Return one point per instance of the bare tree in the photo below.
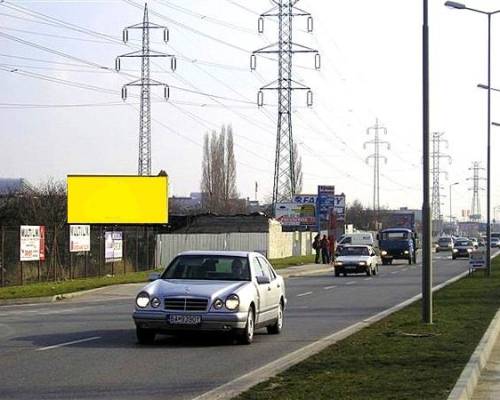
(219, 172)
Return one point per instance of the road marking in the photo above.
(368, 279)
(404, 269)
(351, 283)
(329, 287)
(395, 272)
(304, 294)
(68, 343)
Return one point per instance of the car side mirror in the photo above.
(263, 280)
(154, 276)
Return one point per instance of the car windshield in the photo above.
(355, 251)
(444, 241)
(208, 267)
(464, 243)
(394, 236)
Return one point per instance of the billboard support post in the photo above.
(2, 264)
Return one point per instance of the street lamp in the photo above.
(451, 213)
(461, 6)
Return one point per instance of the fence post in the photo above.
(85, 263)
(136, 249)
(2, 260)
(124, 250)
(147, 248)
(100, 252)
(22, 280)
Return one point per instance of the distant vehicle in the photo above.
(218, 291)
(445, 243)
(359, 238)
(356, 260)
(495, 242)
(475, 242)
(397, 244)
(462, 248)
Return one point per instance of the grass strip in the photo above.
(44, 289)
(399, 357)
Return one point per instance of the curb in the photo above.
(243, 383)
(467, 382)
(468, 379)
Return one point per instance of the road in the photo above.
(86, 348)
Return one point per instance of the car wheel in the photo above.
(410, 260)
(247, 336)
(337, 273)
(276, 328)
(369, 271)
(145, 336)
(345, 274)
(437, 250)
(375, 270)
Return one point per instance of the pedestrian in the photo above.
(325, 250)
(332, 248)
(316, 245)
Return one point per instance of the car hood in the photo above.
(193, 288)
(353, 259)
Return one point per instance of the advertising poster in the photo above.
(32, 243)
(325, 202)
(297, 213)
(79, 238)
(113, 249)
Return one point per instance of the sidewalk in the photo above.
(290, 272)
(488, 387)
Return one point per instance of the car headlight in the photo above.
(469, 250)
(155, 302)
(338, 263)
(142, 300)
(218, 304)
(455, 251)
(407, 252)
(232, 302)
(383, 253)
(362, 263)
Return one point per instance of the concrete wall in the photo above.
(275, 244)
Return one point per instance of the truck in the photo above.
(397, 244)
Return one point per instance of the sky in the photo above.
(62, 113)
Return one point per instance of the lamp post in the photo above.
(426, 208)
(451, 211)
(460, 6)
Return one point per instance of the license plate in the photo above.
(184, 319)
(350, 267)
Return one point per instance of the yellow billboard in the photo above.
(98, 199)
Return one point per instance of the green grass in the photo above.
(384, 362)
(52, 288)
(280, 263)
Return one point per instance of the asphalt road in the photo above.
(86, 348)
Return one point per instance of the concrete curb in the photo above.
(245, 382)
(467, 382)
(468, 379)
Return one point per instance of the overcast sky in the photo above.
(371, 69)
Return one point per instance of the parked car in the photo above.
(355, 260)
(462, 248)
(495, 242)
(445, 243)
(219, 291)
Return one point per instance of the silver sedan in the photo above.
(221, 291)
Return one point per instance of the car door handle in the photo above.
(278, 285)
(269, 288)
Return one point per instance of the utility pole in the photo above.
(436, 171)
(376, 156)
(475, 213)
(145, 83)
(284, 185)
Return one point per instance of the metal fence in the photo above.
(60, 264)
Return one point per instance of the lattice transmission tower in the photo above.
(376, 157)
(436, 171)
(475, 213)
(145, 83)
(285, 11)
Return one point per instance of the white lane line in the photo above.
(304, 294)
(404, 269)
(329, 287)
(368, 279)
(351, 283)
(68, 343)
(395, 272)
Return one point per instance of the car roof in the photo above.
(357, 245)
(218, 253)
(396, 230)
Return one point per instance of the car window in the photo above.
(259, 271)
(267, 267)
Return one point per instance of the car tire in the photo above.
(337, 273)
(345, 274)
(375, 270)
(247, 336)
(277, 327)
(410, 260)
(369, 271)
(145, 336)
(437, 250)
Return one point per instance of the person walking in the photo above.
(325, 250)
(316, 245)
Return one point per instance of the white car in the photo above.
(217, 291)
(356, 260)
